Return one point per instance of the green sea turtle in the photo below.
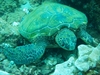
(49, 22)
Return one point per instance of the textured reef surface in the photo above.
(84, 60)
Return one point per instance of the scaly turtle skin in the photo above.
(60, 23)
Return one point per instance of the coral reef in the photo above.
(88, 57)
(8, 6)
(12, 17)
(53, 62)
(9, 34)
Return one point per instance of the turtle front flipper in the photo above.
(87, 38)
(25, 54)
(66, 39)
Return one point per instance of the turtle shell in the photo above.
(49, 18)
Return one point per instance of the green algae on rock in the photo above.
(47, 23)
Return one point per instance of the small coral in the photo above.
(66, 68)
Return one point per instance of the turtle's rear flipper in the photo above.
(24, 54)
(87, 38)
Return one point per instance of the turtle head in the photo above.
(66, 39)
